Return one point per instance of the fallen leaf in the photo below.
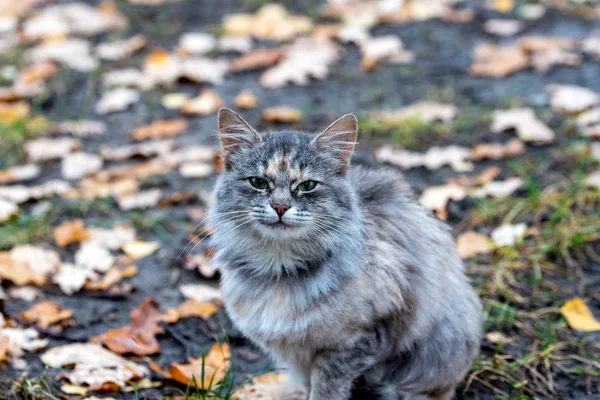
(95, 366)
(94, 258)
(46, 314)
(436, 198)
(494, 61)
(304, 59)
(271, 22)
(579, 316)
(201, 293)
(190, 308)
(127, 77)
(136, 171)
(425, 111)
(144, 199)
(498, 151)
(45, 149)
(544, 51)
(120, 49)
(81, 128)
(20, 194)
(70, 232)
(174, 101)
(591, 44)
(25, 293)
(508, 235)
(571, 99)
(204, 371)
(206, 103)
(139, 337)
(112, 239)
(78, 165)
(532, 11)
(497, 337)
(202, 263)
(269, 386)
(144, 149)
(160, 129)
(116, 100)
(74, 389)
(18, 341)
(503, 6)
(593, 179)
(471, 243)
(72, 52)
(588, 123)
(256, 59)
(7, 210)
(503, 27)
(13, 112)
(455, 156)
(196, 170)
(200, 70)
(529, 128)
(234, 43)
(71, 278)
(138, 249)
(499, 189)
(282, 115)
(246, 100)
(197, 43)
(388, 47)
(28, 264)
(19, 173)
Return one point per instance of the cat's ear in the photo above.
(234, 132)
(339, 139)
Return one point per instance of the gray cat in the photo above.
(337, 272)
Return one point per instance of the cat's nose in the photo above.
(280, 209)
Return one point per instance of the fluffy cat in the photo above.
(336, 271)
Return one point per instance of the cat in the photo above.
(336, 271)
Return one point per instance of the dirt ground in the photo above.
(443, 52)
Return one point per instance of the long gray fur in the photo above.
(362, 287)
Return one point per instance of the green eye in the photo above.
(258, 183)
(307, 186)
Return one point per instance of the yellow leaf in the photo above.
(138, 249)
(74, 389)
(504, 5)
(579, 316)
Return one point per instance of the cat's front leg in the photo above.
(333, 372)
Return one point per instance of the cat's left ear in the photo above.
(339, 139)
(235, 132)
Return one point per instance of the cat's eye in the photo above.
(258, 183)
(307, 186)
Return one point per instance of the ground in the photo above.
(521, 287)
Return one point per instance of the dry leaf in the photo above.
(201, 293)
(71, 278)
(17, 341)
(269, 386)
(497, 337)
(74, 53)
(20, 194)
(144, 199)
(127, 77)
(213, 368)
(203, 69)
(234, 43)
(80, 164)
(45, 149)
(19, 173)
(436, 198)
(25, 293)
(160, 129)
(197, 43)
(202, 263)
(111, 239)
(282, 115)
(174, 101)
(497, 151)
(503, 27)
(593, 179)
(81, 128)
(499, 189)
(46, 314)
(138, 249)
(256, 59)
(116, 100)
(508, 235)
(529, 128)
(94, 258)
(206, 103)
(245, 100)
(95, 366)
(70, 232)
(433, 159)
(139, 337)
(7, 210)
(160, 68)
(388, 47)
(145, 149)
(544, 52)
(579, 316)
(471, 243)
(425, 111)
(271, 22)
(13, 112)
(28, 264)
(120, 49)
(589, 123)
(196, 170)
(306, 58)
(190, 308)
(571, 99)
(494, 61)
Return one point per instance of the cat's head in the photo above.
(284, 184)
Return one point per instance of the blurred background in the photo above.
(108, 155)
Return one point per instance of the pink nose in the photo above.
(280, 209)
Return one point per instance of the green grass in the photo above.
(14, 136)
(27, 388)
(413, 134)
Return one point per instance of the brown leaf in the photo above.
(282, 114)
(139, 337)
(70, 232)
(45, 149)
(271, 22)
(4, 348)
(190, 308)
(544, 52)
(216, 363)
(270, 386)
(497, 61)
(13, 112)
(202, 263)
(47, 313)
(472, 243)
(497, 151)
(206, 103)
(160, 129)
(256, 59)
(19, 173)
(28, 264)
(245, 100)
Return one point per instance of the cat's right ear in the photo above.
(234, 132)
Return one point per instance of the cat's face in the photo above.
(283, 184)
